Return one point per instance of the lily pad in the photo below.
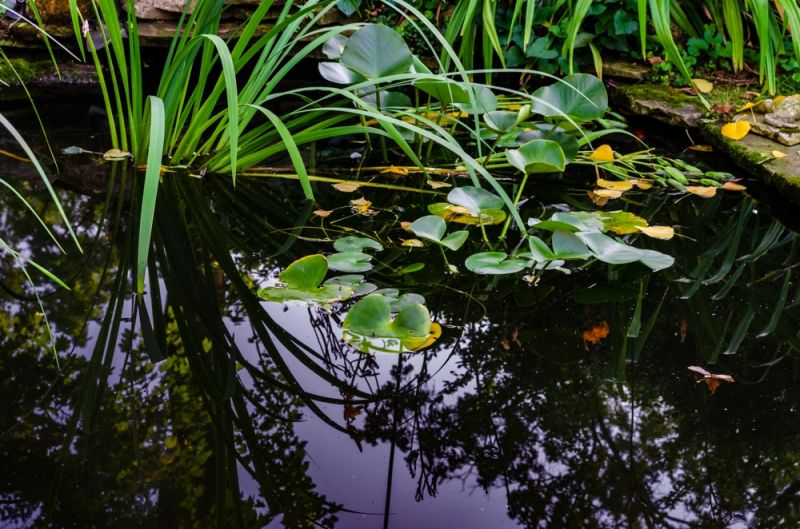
(375, 50)
(538, 156)
(494, 263)
(397, 301)
(351, 243)
(301, 282)
(580, 96)
(369, 326)
(350, 262)
(611, 251)
(433, 228)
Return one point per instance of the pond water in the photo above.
(562, 401)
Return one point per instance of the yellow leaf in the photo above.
(604, 153)
(437, 185)
(415, 344)
(778, 154)
(617, 185)
(644, 185)
(347, 187)
(703, 148)
(733, 186)
(702, 191)
(413, 243)
(735, 130)
(459, 210)
(703, 86)
(657, 232)
(405, 225)
(746, 106)
(322, 213)
(115, 155)
(360, 205)
(596, 199)
(778, 99)
(392, 169)
(608, 193)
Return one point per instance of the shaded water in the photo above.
(511, 419)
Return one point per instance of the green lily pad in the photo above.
(500, 120)
(538, 156)
(581, 96)
(568, 246)
(475, 199)
(302, 280)
(354, 281)
(611, 251)
(494, 263)
(453, 213)
(375, 50)
(433, 227)
(397, 301)
(369, 326)
(350, 262)
(351, 243)
(569, 143)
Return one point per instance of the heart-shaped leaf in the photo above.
(538, 156)
(338, 73)
(305, 273)
(501, 120)
(302, 279)
(611, 251)
(369, 326)
(351, 243)
(350, 262)
(567, 245)
(494, 263)
(430, 227)
(474, 199)
(397, 301)
(735, 130)
(580, 96)
(375, 50)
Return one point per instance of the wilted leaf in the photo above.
(322, 213)
(644, 185)
(746, 106)
(438, 185)
(413, 243)
(702, 191)
(594, 334)
(361, 206)
(116, 155)
(405, 224)
(346, 187)
(392, 169)
(712, 380)
(604, 153)
(657, 232)
(596, 199)
(703, 86)
(701, 148)
(778, 99)
(735, 130)
(733, 186)
(723, 108)
(616, 185)
(778, 154)
(608, 193)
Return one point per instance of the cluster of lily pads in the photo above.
(383, 320)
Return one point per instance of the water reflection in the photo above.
(200, 404)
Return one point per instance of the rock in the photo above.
(625, 70)
(752, 154)
(160, 9)
(55, 11)
(659, 102)
(779, 121)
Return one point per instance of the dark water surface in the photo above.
(515, 417)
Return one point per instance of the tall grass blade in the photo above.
(150, 192)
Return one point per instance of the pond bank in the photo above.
(676, 108)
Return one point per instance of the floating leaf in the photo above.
(703, 86)
(617, 185)
(604, 153)
(595, 334)
(392, 169)
(346, 187)
(437, 185)
(702, 191)
(369, 326)
(735, 130)
(361, 206)
(644, 185)
(494, 263)
(415, 344)
(413, 243)
(350, 262)
(116, 155)
(711, 380)
(322, 213)
(622, 222)
(474, 199)
(610, 251)
(658, 232)
(733, 186)
(302, 279)
(397, 301)
(701, 148)
(607, 193)
(350, 243)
